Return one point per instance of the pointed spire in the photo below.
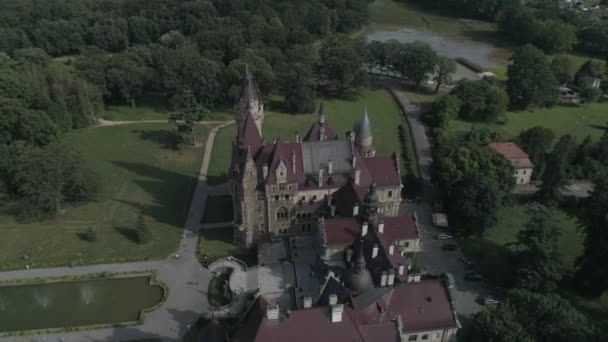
(321, 113)
(365, 126)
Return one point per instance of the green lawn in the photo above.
(218, 243)
(384, 114)
(218, 209)
(579, 121)
(138, 172)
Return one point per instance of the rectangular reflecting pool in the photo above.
(76, 303)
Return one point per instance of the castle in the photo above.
(282, 188)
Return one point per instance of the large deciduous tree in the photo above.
(538, 259)
(50, 177)
(341, 69)
(531, 81)
(444, 71)
(299, 88)
(536, 142)
(592, 272)
(564, 68)
(555, 176)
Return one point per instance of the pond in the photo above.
(480, 53)
(75, 303)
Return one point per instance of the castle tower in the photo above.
(244, 196)
(363, 137)
(358, 278)
(249, 102)
(370, 205)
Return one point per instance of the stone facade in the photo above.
(284, 188)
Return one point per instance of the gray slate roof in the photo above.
(317, 154)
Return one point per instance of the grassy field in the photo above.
(218, 243)
(579, 121)
(491, 253)
(138, 172)
(384, 115)
(219, 209)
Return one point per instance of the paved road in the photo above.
(434, 259)
(186, 279)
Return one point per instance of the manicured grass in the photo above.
(491, 253)
(138, 173)
(579, 121)
(216, 289)
(384, 114)
(219, 209)
(218, 243)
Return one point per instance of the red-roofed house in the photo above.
(518, 158)
(419, 311)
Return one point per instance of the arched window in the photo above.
(282, 214)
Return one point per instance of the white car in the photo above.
(442, 236)
(489, 300)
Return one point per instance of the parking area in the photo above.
(435, 260)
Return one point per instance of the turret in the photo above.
(363, 137)
(249, 101)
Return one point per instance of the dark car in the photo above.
(468, 263)
(449, 247)
(473, 276)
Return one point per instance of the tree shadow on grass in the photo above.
(600, 127)
(128, 232)
(171, 193)
(494, 261)
(163, 137)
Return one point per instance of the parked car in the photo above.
(467, 262)
(449, 247)
(442, 236)
(473, 276)
(488, 300)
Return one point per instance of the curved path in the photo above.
(187, 280)
(103, 122)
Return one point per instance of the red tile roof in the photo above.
(342, 231)
(314, 133)
(398, 228)
(383, 170)
(249, 135)
(513, 153)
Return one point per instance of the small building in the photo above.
(518, 158)
(568, 96)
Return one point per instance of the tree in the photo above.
(531, 81)
(20, 123)
(591, 69)
(419, 61)
(445, 108)
(187, 112)
(445, 68)
(555, 177)
(498, 323)
(564, 68)
(537, 257)
(32, 55)
(298, 87)
(111, 34)
(554, 35)
(536, 142)
(341, 69)
(50, 177)
(592, 271)
(124, 77)
(474, 205)
(90, 234)
(480, 100)
(143, 235)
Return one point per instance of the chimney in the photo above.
(293, 160)
(322, 133)
(357, 177)
(354, 162)
(356, 209)
(381, 228)
(272, 312)
(364, 229)
(333, 299)
(391, 249)
(391, 278)
(350, 136)
(396, 155)
(307, 302)
(336, 313)
(375, 251)
(383, 278)
(330, 167)
(265, 172)
(298, 138)
(321, 177)
(333, 210)
(401, 269)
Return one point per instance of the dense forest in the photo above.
(193, 51)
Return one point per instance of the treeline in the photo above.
(72, 26)
(37, 104)
(483, 9)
